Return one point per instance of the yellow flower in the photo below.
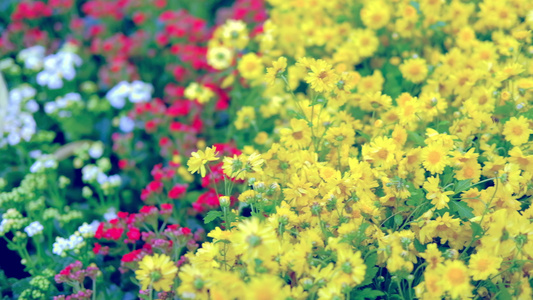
(235, 34)
(375, 14)
(298, 136)
(482, 265)
(414, 70)
(245, 116)
(434, 158)
(455, 278)
(435, 194)
(199, 159)
(433, 256)
(202, 94)
(266, 287)
(219, 58)
(157, 272)
(517, 131)
(250, 66)
(321, 77)
(277, 69)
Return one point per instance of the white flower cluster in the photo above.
(59, 66)
(88, 230)
(126, 124)
(135, 92)
(93, 174)
(18, 121)
(44, 162)
(62, 104)
(76, 240)
(61, 245)
(33, 57)
(110, 214)
(96, 150)
(34, 228)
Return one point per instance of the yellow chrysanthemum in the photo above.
(517, 131)
(156, 272)
(455, 278)
(250, 66)
(434, 158)
(482, 265)
(321, 77)
(200, 158)
(414, 70)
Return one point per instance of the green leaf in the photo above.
(398, 219)
(504, 293)
(462, 185)
(371, 269)
(416, 138)
(212, 215)
(417, 196)
(419, 246)
(368, 293)
(477, 231)
(464, 211)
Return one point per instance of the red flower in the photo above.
(134, 233)
(150, 126)
(123, 164)
(96, 248)
(138, 17)
(132, 256)
(177, 191)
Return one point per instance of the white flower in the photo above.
(126, 124)
(50, 107)
(44, 162)
(140, 91)
(136, 91)
(57, 67)
(110, 214)
(73, 241)
(35, 154)
(96, 150)
(18, 123)
(101, 178)
(114, 180)
(32, 106)
(32, 57)
(89, 173)
(118, 94)
(88, 230)
(60, 245)
(34, 228)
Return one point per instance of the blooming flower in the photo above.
(34, 228)
(156, 272)
(200, 158)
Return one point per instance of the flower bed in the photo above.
(266, 150)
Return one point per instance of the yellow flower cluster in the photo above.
(400, 159)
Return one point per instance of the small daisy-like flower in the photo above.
(434, 158)
(157, 272)
(414, 70)
(278, 67)
(34, 228)
(321, 78)
(219, 58)
(517, 131)
(198, 160)
(455, 278)
(250, 66)
(482, 265)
